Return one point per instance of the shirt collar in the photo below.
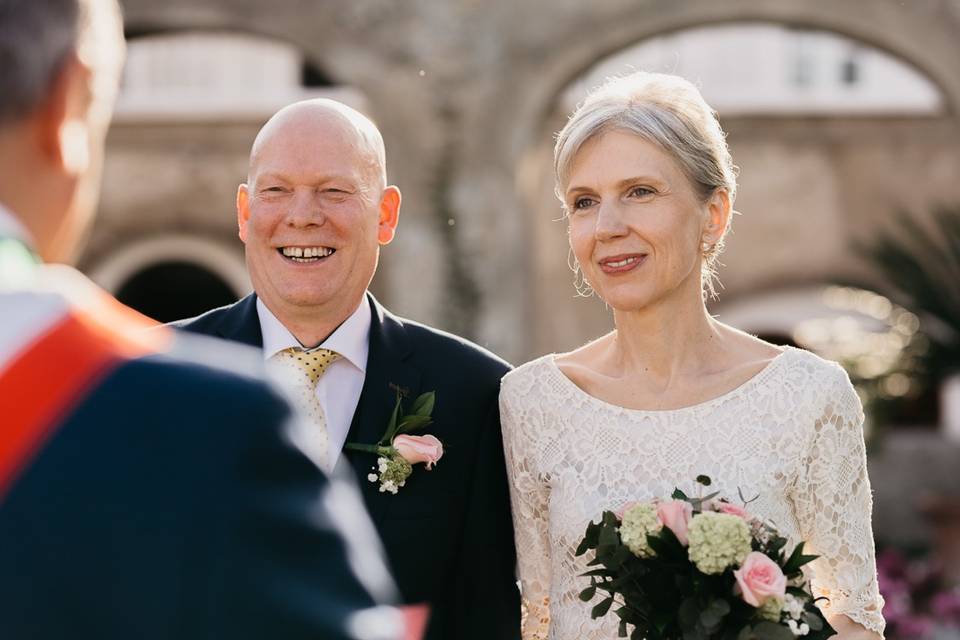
(351, 339)
(11, 227)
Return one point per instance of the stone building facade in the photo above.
(468, 95)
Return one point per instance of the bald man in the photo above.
(313, 214)
(151, 484)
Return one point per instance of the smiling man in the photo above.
(313, 215)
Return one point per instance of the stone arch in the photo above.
(116, 268)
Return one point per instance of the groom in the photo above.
(313, 214)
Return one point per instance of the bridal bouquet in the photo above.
(699, 569)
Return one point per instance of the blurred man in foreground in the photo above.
(143, 493)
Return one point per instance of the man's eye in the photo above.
(273, 189)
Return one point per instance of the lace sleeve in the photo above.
(833, 505)
(529, 498)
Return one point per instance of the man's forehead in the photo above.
(312, 136)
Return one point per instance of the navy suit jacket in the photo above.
(447, 532)
(167, 500)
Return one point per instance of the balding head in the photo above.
(318, 120)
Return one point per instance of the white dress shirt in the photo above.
(338, 389)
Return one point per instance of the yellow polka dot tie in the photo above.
(306, 367)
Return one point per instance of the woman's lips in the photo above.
(622, 263)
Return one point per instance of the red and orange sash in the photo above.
(50, 374)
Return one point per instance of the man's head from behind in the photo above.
(315, 210)
(61, 61)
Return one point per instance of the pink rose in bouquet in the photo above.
(675, 515)
(759, 578)
(732, 509)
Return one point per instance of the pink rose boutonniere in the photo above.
(397, 450)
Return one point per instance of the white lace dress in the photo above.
(792, 435)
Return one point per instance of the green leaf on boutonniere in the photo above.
(395, 461)
(392, 426)
(412, 423)
(423, 405)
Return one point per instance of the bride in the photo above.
(647, 184)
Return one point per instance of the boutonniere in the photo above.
(397, 450)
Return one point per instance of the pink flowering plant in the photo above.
(699, 569)
(920, 604)
(398, 451)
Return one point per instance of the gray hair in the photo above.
(36, 36)
(668, 111)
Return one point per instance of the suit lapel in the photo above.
(386, 371)
(241, 323)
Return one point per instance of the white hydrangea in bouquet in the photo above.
(699, 568)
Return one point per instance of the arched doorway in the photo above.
(170, 291)
(173, 276)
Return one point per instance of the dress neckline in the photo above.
(748, 384)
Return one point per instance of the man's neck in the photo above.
(312, 325)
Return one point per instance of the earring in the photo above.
(705, 247)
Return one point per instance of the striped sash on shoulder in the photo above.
(57, 341)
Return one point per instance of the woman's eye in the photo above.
(582, 203)
(641, 192)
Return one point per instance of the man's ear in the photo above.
(389, 215)
(243, 210)
(62, 121)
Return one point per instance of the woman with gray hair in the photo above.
(647, 184)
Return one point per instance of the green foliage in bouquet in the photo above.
(689, 589)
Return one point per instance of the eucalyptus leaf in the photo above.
(590, 538)
(622, 633)
(608, 537)
(689, 614)
(704, 480)
(601, 608)
(772, 631)
(587, 594)
(694, 634)
(610, 519)
(679, 495)
(813, 621)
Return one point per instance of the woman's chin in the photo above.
(628, 301)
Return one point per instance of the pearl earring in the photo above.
(705, 246)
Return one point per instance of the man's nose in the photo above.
(306, 208)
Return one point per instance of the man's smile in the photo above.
(306, 254)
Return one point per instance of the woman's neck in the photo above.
(671, 339)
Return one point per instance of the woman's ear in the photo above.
(718, 210)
